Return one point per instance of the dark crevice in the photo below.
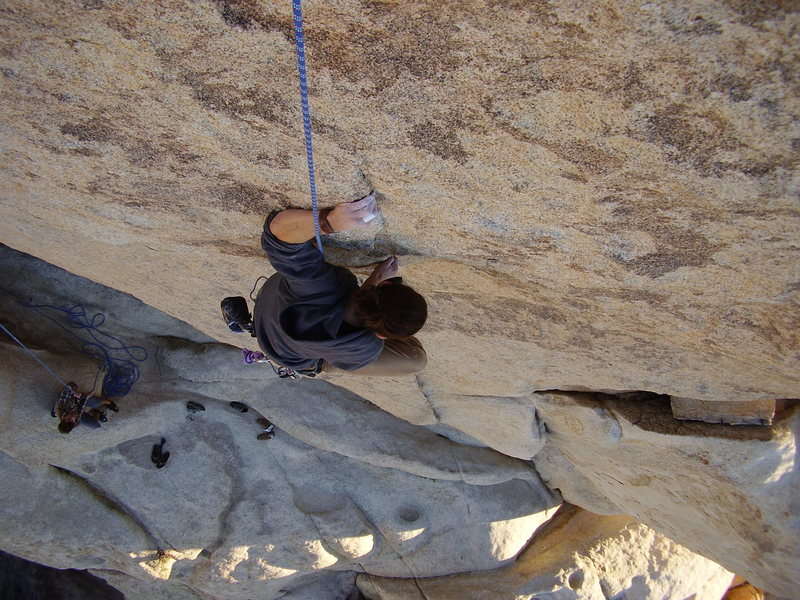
(115, 505)
(235, 497)
(20, 578)
(426, 395)
(650, 411)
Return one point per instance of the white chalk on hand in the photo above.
(368, 218)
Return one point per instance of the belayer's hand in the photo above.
(354, 215)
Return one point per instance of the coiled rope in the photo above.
(115, 358)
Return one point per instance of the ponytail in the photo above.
(393, 311)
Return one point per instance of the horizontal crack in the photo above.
(114, 504)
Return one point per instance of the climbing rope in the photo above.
(29, 351)
(297, 10)
(120, 373)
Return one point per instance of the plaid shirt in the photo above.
(70, 402)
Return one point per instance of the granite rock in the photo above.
(341, 488)
(726, 492)
(577, 556)
(594, 196)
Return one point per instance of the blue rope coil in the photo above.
(297, 11)
(115, 358)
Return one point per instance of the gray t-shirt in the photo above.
(299, 312)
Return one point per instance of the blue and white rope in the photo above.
(301, 68)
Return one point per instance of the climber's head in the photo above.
(391, 309)
(68, 422)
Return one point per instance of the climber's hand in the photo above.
(386, 270)
(354, 215)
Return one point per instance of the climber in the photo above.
(312, 316)
(71, 406)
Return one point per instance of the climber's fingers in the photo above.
(365, 207)
(388, 269)
(365, 202)
(351, 215)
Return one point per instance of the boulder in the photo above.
(576, 556)
(754, 412)
(726, 492)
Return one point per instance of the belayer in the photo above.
(73, 407)
(311, 316)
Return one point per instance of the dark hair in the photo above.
(394, 311)
(66, 426)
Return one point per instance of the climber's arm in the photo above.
(295, 225)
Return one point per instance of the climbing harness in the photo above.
(255, 357)
(237, 315)
(297, 10)
(120, 373)
(39, 360)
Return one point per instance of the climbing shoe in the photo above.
(162, 461)
(268, 429)
(113, 407)
(194, 406)
(237, 315)
(155, 454)
(158, 456)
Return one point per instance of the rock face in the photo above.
(594, 197)
(342, 488)
(577, 555)
(346, 488)
(728, 493)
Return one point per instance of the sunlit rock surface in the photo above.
(577, 555)
(726, 492)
